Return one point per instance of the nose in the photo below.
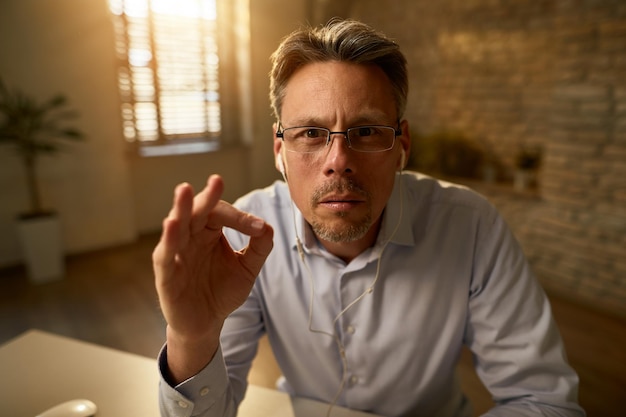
(338, 156)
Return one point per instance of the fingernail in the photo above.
(257, 224)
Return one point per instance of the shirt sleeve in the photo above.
(517, 348)
(206, 394)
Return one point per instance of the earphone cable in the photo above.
(368, 290)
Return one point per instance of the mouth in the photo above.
(341, 202)
(340, 196)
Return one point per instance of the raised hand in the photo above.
(199, 278)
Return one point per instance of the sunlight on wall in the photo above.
(181, 8)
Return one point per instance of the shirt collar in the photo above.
(397, 227)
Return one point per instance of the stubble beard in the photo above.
(344, 232)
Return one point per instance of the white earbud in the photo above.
(402, 159)
(281, 165)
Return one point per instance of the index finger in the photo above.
(226, 215)
(174, 235)
(204, 202)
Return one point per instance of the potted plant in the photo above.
(445, 152)
(34, 129)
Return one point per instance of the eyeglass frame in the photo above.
(397, 132)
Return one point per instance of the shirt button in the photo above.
(204, 391)
(350, 329)
(354, 379)
(183, 404)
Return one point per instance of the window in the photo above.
(168, 74)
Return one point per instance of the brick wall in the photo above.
(511, 73)
(579, 239)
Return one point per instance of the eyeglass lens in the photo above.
(361, 138)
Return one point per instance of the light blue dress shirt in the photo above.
(451, 273)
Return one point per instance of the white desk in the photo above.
(265, 402)
(39, 370)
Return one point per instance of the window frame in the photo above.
(227, 89)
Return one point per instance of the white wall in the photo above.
(270, 21)
(104, 195)
(65, 46)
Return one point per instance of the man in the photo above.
(367, 279)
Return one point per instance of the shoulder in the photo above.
(427, 191)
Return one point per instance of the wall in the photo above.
(104, 195)
(578, 241)
(550, 73)
(270, 21)
(44, 52)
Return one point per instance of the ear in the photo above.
(405, 144)
(278, 144)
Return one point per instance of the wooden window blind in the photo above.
(168, 72)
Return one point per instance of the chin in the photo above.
(344, 232)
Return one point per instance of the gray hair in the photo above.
(338, 40)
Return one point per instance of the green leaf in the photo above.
(34, 128)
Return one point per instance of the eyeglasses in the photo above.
(310, 139)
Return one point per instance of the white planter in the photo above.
(41, 242)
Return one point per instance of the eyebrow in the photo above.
(368, 118)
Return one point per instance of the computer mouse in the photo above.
(73, 408)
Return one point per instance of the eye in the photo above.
(315, 133)
(365, 131)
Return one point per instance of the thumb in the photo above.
(258, 249)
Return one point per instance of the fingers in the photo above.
(191, 215)
(182, 207)
(225, 215)
(257, 251)
(175, 229)
(175, 234)
(210, 212)
(164, 254)
(205, 202)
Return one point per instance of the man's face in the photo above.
(341, 192)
